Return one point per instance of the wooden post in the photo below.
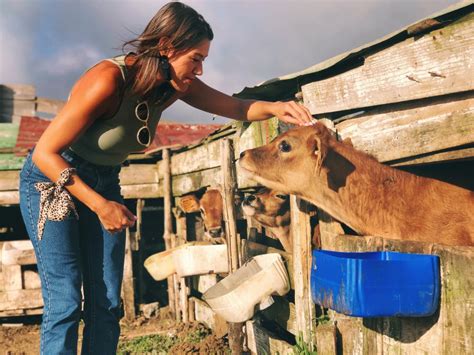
(128, 281)
(229, 185)
(301, 232)
(181, 232)
(168, 226)
(228, 190)
(137, 245)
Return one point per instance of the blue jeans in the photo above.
(74, 253)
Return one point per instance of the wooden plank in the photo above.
(20, 299)
(141, 191)
(18, 253)
(168, 236)
(9, 180)
(17, 92)
(138, 174)
(22, 312)
(260, 342)
(452, 155)
(326, 339)
(205, 282)
(128, 285)
(328, 225)
(409, 130)
(182, 236)
(256, 134)
(17, 107)
(208, 155)
(9, 161)
(8, 134)
(12, 277)
(199, 158)
(301, 233)
(31, 279)
(183, 184)
(457, 301)
(282, 312)
(9, 198)
(49, 105)
(229, 187)
(438, 63)
(141, 183)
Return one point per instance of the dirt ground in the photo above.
(24, 339)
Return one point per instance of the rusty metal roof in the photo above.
(172, 135)
(31, 129)
(23, 138)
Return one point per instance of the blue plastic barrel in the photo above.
(376, 284)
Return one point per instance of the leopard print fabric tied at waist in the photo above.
(55, 201)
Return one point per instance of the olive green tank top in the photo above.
(109, 141)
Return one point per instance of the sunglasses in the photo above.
(143, 114)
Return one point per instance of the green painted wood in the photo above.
(8, 161)
(8, 134)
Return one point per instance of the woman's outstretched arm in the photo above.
(205, 98)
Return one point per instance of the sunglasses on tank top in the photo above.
(142, 113)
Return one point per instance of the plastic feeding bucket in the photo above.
(376, 284)
(236, 297)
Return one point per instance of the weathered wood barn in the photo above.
(408, 100)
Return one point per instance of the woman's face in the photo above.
(187, 65)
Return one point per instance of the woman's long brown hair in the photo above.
(182, 25)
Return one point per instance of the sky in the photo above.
(50, 43)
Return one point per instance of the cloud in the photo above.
(70, 60)
(52, 42)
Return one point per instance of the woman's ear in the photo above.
(165, 47)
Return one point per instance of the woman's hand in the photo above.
(115, 217)
(292, 112)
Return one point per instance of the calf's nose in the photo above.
(248, 199)
(216, 232)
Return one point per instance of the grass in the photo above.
(159, 344)
(303, 348)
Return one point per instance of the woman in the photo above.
(76, 224)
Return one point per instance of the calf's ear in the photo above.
(320, 150)
(189, 203)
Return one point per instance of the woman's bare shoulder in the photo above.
(104, 79)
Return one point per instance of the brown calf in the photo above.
(353, 187)
(272, 210)
(211, 208)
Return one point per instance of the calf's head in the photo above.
(268, 207)
(298, 161)
(210, 205)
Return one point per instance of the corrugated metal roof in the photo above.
(31, 129)
(285, 87)
(177, 135)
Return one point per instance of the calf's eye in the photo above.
(284, 147)
(283, 197)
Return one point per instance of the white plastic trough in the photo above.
(201, 260)
(195, 258)
(235, 297)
